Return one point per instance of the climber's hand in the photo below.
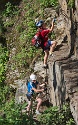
(53, 21)
(45, 89)
(42, 90)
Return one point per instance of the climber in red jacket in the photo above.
(48, 45)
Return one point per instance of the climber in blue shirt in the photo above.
(32, 88)
(31, 85)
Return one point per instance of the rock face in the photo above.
(63, 80)
(70, 18)
(63, 67)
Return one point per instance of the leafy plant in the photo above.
(71, 3)
(12, 114)
(55, 116)
(3, 60)
(49, 3)
(8, 23)
(10, 10)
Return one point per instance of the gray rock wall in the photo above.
(70, 17)
(57, 83)
(63, 83)
(71, 74)
(63, 80)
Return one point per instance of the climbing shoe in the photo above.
(45, 66)
(37, 112)
(51, 54)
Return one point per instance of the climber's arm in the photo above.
(52, 26)
(37, 90)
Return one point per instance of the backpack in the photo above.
(29, 95)
(37, 40)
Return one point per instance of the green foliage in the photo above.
(55, 116)
(3, 60)
(25, 56)
(4, 94)
(28, 52)
(19, 28)
(10, 10)
(49, 3)
(71, 3)
(12, 114)
(9, 13)
(8, 23)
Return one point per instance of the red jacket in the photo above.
(44, 35)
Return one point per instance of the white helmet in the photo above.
(32, 77)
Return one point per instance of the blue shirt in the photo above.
(30, 86)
